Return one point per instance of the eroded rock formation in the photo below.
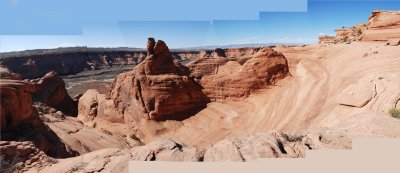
(51, 91)
(224, 78)
(158, 88)
(382, 25)
(16, 102)
(20, 121)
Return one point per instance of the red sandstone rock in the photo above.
(384, 19)
(16, 102)
(382, 26)
(93, 104)
(5, 73)
(20, 121)
(157, 89)
(51, 91)
(228, 78)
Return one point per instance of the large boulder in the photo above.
(158, 88)
(51, 91)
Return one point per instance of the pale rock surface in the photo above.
(78, 137)
(270, 145)
(116, 160)
(357, 95)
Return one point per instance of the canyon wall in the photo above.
(69, 61)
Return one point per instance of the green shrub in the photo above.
(394, 112)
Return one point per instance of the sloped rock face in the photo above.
(157, 89)
(237, 78)
(51, 91)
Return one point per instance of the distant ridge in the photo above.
(237, 46)
(61, 50)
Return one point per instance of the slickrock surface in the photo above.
(157, 89)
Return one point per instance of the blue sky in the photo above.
(28, 24)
